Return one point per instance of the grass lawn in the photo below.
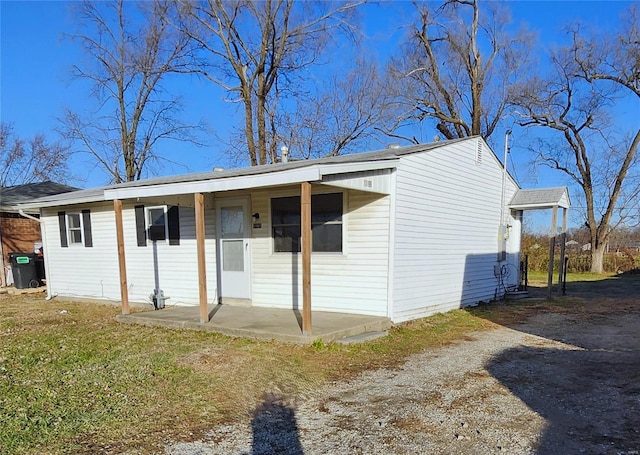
(73, 380)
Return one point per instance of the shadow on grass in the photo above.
(275, 429)
(588, 388)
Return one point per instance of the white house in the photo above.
(400, 233)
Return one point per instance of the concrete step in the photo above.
(362, 337)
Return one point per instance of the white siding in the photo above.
(378, 181)
(78, 271)
(445, 206)
(354, 282)
(447, 214)
(176, 265)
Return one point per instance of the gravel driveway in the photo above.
(559, 384)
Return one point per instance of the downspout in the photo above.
(3, 279)
(44, 248)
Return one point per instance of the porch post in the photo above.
(122, 264)
(305, 212)
(552, 247)
(202, 265)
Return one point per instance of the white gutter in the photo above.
(307, 174)
(44, 249)
(503, 203)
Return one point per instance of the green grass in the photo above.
(536, 276)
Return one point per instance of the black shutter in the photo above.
(173, 220)
(86, 227)
(141, 233)
(62, 223)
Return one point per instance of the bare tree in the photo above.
(35, 160)
(256, 51)
(592, 75)
(459, 67)
(344, 115)
(131, 48)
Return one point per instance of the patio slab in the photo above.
(262, 323)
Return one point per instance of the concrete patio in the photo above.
(265, 323)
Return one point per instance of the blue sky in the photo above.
(35, 68)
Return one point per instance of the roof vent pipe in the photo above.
(284, 154)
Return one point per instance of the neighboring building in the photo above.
(17, 233)
(400, 233)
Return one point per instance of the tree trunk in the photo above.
(262, 130)
(597, 258)
(248, 125)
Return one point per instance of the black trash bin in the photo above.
(40, 274)
(25, 273)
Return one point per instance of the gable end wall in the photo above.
(447, 213)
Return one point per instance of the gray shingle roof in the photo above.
(97, 194)
(11, 195)
(539, 197)
(379, 155)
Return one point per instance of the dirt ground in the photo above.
(564, 380)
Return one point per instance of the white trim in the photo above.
(322, 191)
(68, 226)
(391, 246)
(346, 168)
(148, 223)
(309, 174)
(59, 203)
(277, 178)
(245, 202)
(540, 206)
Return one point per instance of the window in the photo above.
(74, 228)
(157, 223)
(326, 223)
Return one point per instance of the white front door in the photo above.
(233, 244)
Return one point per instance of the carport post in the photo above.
(561, 265)
(202, 264)
(305, 212)
(552, 247)
(122, 264)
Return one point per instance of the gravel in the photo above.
(540, 389)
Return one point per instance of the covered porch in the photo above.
(265, 323)
(231, 193)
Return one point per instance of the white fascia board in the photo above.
(537, 206)
(38, 205)
(310, 174)
(331, 169)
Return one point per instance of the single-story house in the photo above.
(400, 233)
(19, 233)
